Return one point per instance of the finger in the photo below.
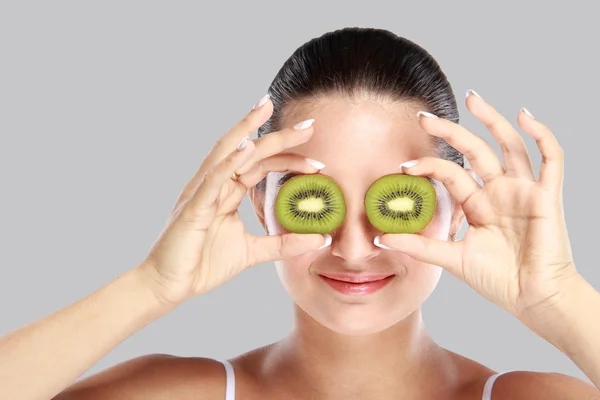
(253, 120)
(280, 247)
(480, 154)
(276, 163)
(227, 143)
(447, 255)
(553, 157)
(514, 151)
(211, 185)
(455, 178)
(276, 142)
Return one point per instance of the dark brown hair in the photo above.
(363, 60)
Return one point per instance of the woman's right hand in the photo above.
(204, 243)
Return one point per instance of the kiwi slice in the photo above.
(310, 204)
(400, 203)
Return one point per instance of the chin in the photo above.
(367, 325)
(357, 319)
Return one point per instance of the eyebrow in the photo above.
(286, 177)
(289, 175)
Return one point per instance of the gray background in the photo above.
(107, 109)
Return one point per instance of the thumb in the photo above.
(442, 253)
(279, 247)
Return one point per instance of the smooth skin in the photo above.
(520, 261)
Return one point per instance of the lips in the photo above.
(356, 284)
(356, 278)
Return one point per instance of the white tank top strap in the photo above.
(230, 385)
(489, 384)
(230, 382)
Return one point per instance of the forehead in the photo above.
(364, 136)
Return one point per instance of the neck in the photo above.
(324, 364)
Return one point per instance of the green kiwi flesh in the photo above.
(400, 203)
(310, 204)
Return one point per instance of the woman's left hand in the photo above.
(516, 251)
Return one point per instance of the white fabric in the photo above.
(230, 386)
(489, 384)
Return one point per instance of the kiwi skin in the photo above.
(319, 190)
(398, 186)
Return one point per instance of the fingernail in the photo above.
(526, 111)
(243, 143)
(427, 114)
(383, 246)
(471, 91)
(304, 124)
(327, 241)
(315, 163)
(262, 101)
(408, 164)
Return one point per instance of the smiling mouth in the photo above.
(348, 278)
(356, 284)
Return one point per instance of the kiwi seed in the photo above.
(310, 204)
(399, 203)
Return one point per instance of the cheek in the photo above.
(293, 272)
(294, 275)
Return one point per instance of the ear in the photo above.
(257, 198)
(458, 215)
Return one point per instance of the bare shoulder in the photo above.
(153, 376)
(518, 385)
(521, 385)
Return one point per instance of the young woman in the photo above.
(354, 104)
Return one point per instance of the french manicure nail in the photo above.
(243, 143)
(383, 246)
(315, 163)
(427, 114)
(262, 101)
(304, 124)
(408, 164)
(526, 111)
(327, 241)
(471, 91)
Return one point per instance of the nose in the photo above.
(353, 240)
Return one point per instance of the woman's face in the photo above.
(359, 142)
